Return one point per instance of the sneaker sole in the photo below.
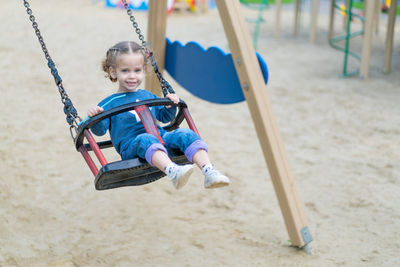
(184, 179)
(217, 185)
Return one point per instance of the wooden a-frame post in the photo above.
(157, 26)
(367, 39)
(257, 98)
(389, 37)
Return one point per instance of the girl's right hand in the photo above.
(94, 111)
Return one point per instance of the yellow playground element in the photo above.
(190, 4)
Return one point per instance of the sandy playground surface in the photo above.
(341, 137)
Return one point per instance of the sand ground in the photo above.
(341, 137)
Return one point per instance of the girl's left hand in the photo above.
(173, 97)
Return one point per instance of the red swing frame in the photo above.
(146, 118)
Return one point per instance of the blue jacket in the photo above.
(126, 126)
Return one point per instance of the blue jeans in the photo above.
(144, 145)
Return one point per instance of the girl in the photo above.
(125, 63)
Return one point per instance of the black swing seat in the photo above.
(132, 172)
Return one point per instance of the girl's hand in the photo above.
(94, 111)
(173, 97)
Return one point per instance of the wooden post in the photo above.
(257, 98)
(378, 4)
(389, 37)
(314, 20)
(346, 16)
(278, 10)
(297, 17)
(331, 20)
(157, 26)
(367, 39)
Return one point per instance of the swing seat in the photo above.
(132, 172)
(127, 172)
(137, 171)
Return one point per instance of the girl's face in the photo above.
(129, 72)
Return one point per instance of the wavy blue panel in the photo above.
(136, 5)
(208, 74)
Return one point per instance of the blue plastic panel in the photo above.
(208, 74)
(136, 5)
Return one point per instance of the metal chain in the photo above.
(69, 109)
(165, 86)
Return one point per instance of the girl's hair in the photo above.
(126, 47)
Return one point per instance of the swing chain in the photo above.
(69, 108)
(37, 31)
(165, 86)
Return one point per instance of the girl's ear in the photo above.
(113, 72)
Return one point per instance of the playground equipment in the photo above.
(370, 7)
(194, 5)
(183, 4)
(347, 12)
(222, 85)
(389, 36)
(143, 5)
(136, 4)
(254, 90)
(125, 172)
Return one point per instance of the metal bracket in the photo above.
(305, 233)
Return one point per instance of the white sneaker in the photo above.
(179, 175)
(214, 179)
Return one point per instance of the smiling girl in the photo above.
(125, 63)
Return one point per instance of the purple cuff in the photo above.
(153, 148)
(194, 147)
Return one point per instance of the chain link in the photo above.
(69, 109)
(165, 86)
(37, 32)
